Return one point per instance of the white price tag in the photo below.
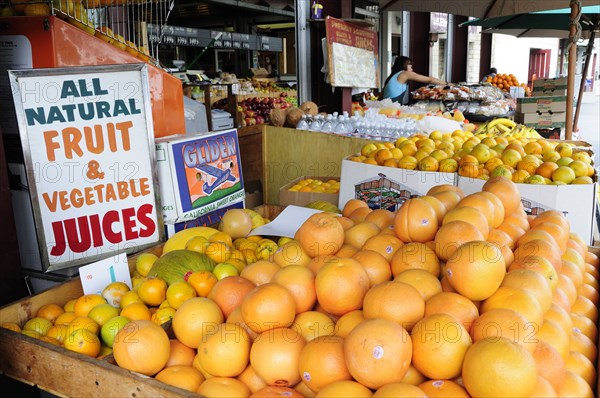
(96, 276)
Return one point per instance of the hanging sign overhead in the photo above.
(88, 143)
(353, 53)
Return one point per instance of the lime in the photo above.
(224, 270)
(144, 263)
(111, 328)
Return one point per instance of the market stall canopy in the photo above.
(553, 23)
(478, 9)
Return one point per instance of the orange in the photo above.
(322, 362)
(65, 318)
(537, 264)
(251, 379)
(38, 324)
(346, 389)
(346, 250)
(574, 386)
(358, 234)
(276, 391)
(178, 293)
(504, 241)
(568, 287)
(532, 282)
(426, 283)
(267, 307)
(128, 298)
(347, 322)
(152, 291)
(443, 388)
(543, 389)
(236, 318)
(396, 301)
(550, 364)
(580, 365)
(102, 313)
(260, 272)
(471, 215)
(300, 282)
(398, 390)
(452, 235)
(202, 282)
(382, 218)
(229, 292)
(83, 342)
(359, 215)
(223, 387)
(445, 187)
(413, 376)
(180, 354)
(50, 311)
(136, 312)
(85, 303)
(147, 353)
(459, 307)
(218, 251)
(476, 270)
(515, 299)
(584, 325)
(415, 255)
(505, 190)
(291, 253)
(583, 344)
(376, 362)
(275, 356)
(415, 221)
(484, 206)
(512, 230)
(341, 285)
(448, 198)
(573, 272)
(191, 320)
(313, 324)
(585, 307)
(384, 244)
(552, 333)
(559, 234)
(498, 208)
(439, 355)
(82, 322)
(438, 206)
(376, 266)
(185, 377)
(499, 368)
(541, 248)
(507, 323)
(225, 350)
(58, 332)
(552, 216)
(320, 234)
(352, 205)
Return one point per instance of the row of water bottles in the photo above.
(371, 126)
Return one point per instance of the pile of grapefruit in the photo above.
(452, 295)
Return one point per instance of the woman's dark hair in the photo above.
(493, 70)
(400, 64)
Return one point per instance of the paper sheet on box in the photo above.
(286, 223)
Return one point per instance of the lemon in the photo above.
(144, 263)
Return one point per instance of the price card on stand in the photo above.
(96, 276)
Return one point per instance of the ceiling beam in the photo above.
(249, 6)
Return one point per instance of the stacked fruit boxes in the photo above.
(546, 108)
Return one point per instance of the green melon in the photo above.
(177, 265)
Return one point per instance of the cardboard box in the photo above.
(549, 84)
(372, 183)
(542, 104)
(287, 197)
(516, 91)
(205, 220)
(541, 92)
(576, 202)
(546, 120)
(198, 174)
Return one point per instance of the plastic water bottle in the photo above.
(329, 125)
(302, 124)
(317, 123)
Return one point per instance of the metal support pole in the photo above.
(387, 21)
(303, 50)
(405, 37)
(573, 33)
(448, 50)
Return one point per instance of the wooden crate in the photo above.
(66, 373)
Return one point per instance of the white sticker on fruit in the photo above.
(378, 352)
(96, 276)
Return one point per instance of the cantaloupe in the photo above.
(177, 265)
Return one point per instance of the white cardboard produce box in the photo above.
(576, 202)
(386, 187)
(198, 174)
(542, 104)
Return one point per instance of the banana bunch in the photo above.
(178, 241)
(497, 126)
(257, 219)
(522, 131)
(324, 205)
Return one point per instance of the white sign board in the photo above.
(88, 144)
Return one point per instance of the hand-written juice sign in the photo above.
(90, 165)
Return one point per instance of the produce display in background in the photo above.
(486, 155)
(505, 81)
(505, 127)
(313, 185)
(321, 314)
(256, 110)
